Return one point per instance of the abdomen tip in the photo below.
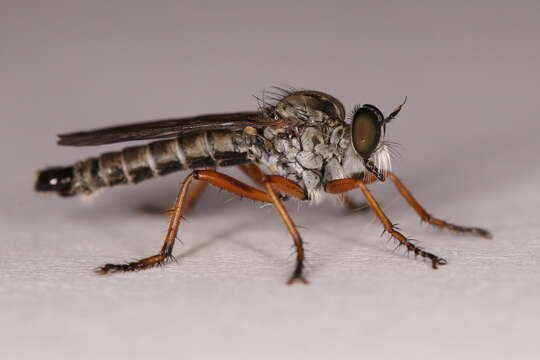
(55, 179)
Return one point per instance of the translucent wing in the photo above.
(167, 128)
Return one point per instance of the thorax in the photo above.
(308, 155)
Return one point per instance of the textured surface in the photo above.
(469, 135)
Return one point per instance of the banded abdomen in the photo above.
(138, 163)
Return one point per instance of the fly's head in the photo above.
(367, 146)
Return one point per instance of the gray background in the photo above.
(469, 136)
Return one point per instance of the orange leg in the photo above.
(165, 254)
(288, 187)
(194, 196)
(255, 174)
(341, 186)
(250, 169)
(350, 205)
(425, 216)
(284, 186)
(190, 202)
(272, 184)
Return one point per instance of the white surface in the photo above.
(470, 154)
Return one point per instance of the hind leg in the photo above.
(251, 170)
(165, 254)
(273, 185)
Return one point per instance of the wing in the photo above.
(167, 128)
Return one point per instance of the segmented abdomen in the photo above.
(138, 163)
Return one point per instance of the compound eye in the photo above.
(367, 128)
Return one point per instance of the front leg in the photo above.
(425, 216)
(341, 186)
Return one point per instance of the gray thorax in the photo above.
(309, 155)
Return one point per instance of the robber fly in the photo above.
(299, 144)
